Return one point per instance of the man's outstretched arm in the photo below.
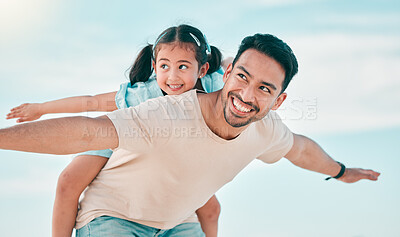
(307, 154)
(60, 136)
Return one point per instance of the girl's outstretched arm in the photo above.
(32, 111)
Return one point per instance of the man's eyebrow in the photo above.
(244, 69)
(272, 86)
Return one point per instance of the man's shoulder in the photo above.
(270, 124)
(169, 106)
(271, 118)
(188, 97)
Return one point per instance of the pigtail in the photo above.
(142, 68)
(214, 59)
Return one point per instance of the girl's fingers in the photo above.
(13, 115)
(18, 107)
(14, 111)
(10, 115)
(22, 119)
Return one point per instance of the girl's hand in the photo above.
(25, 112)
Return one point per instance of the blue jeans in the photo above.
(111, 226)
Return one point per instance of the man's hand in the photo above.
(307, 154)
(352, 175)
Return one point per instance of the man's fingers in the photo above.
(353, 175)
(371, 175)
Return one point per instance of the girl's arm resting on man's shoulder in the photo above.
(61, 136)
(307, 154)
(77, 104)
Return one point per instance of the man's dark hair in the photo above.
(272, 47)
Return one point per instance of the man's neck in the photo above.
(213, 114)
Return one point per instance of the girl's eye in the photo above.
(265, 89)
(183, 67)
(164, 66)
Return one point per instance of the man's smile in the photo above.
(241, 108)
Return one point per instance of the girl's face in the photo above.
(177, 69)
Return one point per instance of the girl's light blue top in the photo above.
(132, 95)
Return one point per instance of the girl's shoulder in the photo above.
(133, 94)
(213, 81)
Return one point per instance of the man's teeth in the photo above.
(175, 86)
(240, 107)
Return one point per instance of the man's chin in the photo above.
(237, 124)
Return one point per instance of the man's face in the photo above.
(252, 88)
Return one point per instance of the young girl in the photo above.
(182, 60)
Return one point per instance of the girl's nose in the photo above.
(173, 74)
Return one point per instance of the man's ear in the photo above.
(203, 70)
(279, 101)
(227, 72)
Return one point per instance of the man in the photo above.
(174, 152)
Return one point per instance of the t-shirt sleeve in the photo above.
(281, 139)
(137, 127)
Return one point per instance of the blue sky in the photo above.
(346, 96)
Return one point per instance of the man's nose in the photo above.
(247, 94)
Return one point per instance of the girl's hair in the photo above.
(142, 68)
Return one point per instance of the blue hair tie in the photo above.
(155, 44)
(208, 48)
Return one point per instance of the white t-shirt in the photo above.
(169, 163)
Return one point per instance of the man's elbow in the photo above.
(299, 148)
